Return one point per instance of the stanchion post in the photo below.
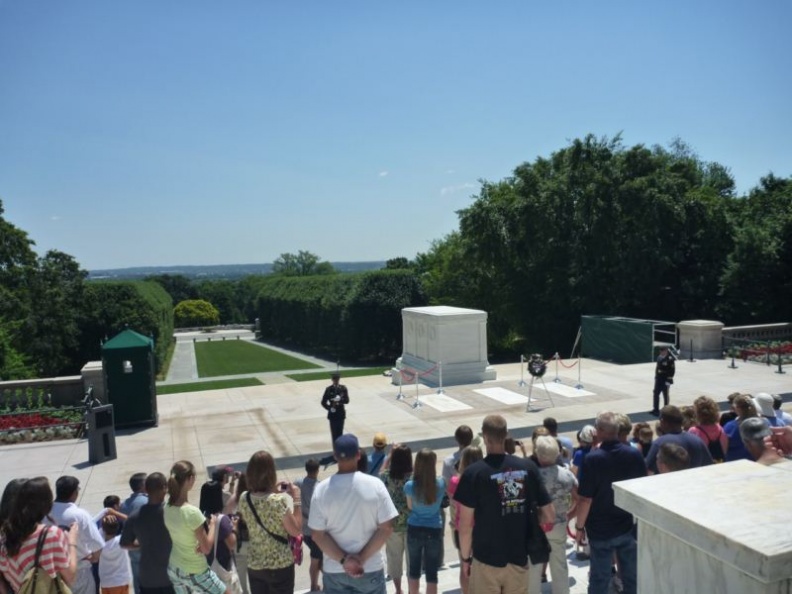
(522, 372)
(440, 387)
(417, 403)
(556, 380)
(400, 395)
(579, 385)
(691, 351)
(733, 365)
(780, 366)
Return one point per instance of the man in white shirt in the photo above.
(65, 512)
(351, 518)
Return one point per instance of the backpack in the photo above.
(714, 446)
(38, 581)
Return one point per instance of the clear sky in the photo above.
(153, 132)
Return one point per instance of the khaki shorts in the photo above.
(486, 579)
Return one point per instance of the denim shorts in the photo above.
(424, 544)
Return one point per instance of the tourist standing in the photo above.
(424, 524)
(145, 532)
(496, 495)
(351, 519)
(307, 484)
(188, 569)
(609, 528)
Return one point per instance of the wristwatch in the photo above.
(342, 560)
(468, 560)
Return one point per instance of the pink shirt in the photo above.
(54, 556)
(708, 433)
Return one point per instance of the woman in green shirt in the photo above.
(187, 566)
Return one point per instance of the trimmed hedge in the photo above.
(349, 316)
(111, 306)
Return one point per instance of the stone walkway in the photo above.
(226, 426)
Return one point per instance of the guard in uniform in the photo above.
(664, 377)
(334, 400)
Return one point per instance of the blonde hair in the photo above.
(468, 456)
(180, 473)
(546, 449)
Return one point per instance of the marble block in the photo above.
(722, 528)
(451, 341)
(705, 336)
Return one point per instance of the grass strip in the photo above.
(242, 382)
(237, 357)
(316, 375)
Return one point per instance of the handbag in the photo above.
(294, 542)
(38, 581)
(229, 577)
(536, 544)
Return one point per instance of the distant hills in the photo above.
(217, 271)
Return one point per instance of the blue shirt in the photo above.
(613, 461)
(695, 447)
(736, 449)
(426, 515)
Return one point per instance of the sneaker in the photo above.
(582, 556)
(654, 413)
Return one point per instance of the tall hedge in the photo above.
(111, 306)
(350, 316)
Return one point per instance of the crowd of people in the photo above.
(510, 505)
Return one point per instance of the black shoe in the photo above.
(654, 413)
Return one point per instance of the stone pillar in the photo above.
(93, 374)
(722, 528)
(705, 337)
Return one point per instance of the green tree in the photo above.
(223, 294)
(594, 228)
(303, 263)
(178, 286)
(52, 326)
(757, 282)
(195, 312)
(400, 263)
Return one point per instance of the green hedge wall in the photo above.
(111, 306)
(349, 316)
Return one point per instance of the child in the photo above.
(114, 574)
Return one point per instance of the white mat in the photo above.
(561, 389)
(503, 395)
(442, 403)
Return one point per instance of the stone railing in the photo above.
(54, 391)
(761, 332)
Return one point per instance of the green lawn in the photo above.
(242, 382)
(235, 357)
(315, 375)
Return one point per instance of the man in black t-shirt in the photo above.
(145, 530)
(664, 377)
(494, 496)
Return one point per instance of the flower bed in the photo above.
(39, 425)
(758, 352)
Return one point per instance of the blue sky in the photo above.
(196, 132)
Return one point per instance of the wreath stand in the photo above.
(537, 368)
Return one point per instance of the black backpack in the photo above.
(714, 446)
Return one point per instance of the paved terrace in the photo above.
(227, 426)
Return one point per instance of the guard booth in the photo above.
(128, 363)
(624, 340)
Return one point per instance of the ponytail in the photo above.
(180, 473)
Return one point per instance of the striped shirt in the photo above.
(54, 556)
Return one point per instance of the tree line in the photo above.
(596, 227)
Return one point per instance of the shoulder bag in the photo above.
(294, 542)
